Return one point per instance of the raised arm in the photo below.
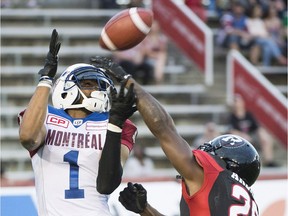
(32, 130)
(162, 126)
(110, 164)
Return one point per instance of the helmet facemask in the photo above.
(67, 91)
(212, 149)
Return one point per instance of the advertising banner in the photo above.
(188, 32)
(271, 196)
(262, 98)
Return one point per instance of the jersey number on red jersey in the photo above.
(240, 193)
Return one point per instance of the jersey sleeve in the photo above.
(19, 120)
(206, 161)
(129, 134)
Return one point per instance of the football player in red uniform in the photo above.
(216, 177)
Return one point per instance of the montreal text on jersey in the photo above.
(74, 140)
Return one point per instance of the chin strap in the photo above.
(98, 102)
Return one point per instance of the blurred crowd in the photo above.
(259, 27)
(256, 26)
(243, 123)
(102, 4)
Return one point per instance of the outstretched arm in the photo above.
(110, 167)
(160, 124)
(32, 130)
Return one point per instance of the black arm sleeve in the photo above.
(110, 168)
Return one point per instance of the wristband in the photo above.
(45, 82)
(45, 78)
(114, 128)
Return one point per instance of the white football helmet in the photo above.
(67, 89)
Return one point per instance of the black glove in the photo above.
(123, 106)
(51, 61)
(134, 197)
(112, 68)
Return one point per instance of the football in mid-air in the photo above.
(126, 29)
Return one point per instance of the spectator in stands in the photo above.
(108, 4)
(146, 61)
(134, 61)
(281, 8)
(138, 164)
(249, 4)
(243, 123)
(276, 29)
(233, 33)
(156, 51)
(222, 6)
(209, 133)
(257, 29)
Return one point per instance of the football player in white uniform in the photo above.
(66, 140)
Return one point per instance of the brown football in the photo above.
(126, 29)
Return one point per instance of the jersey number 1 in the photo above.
(74, 192)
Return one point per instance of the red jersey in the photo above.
(223, 192)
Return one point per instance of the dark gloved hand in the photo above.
(51, 61)
(134, 197)
(113, 69)
(123, 106)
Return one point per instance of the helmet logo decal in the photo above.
(232, 140)
(239, 155)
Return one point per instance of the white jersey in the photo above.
(66, 167)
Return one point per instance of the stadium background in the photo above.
(25, 30)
